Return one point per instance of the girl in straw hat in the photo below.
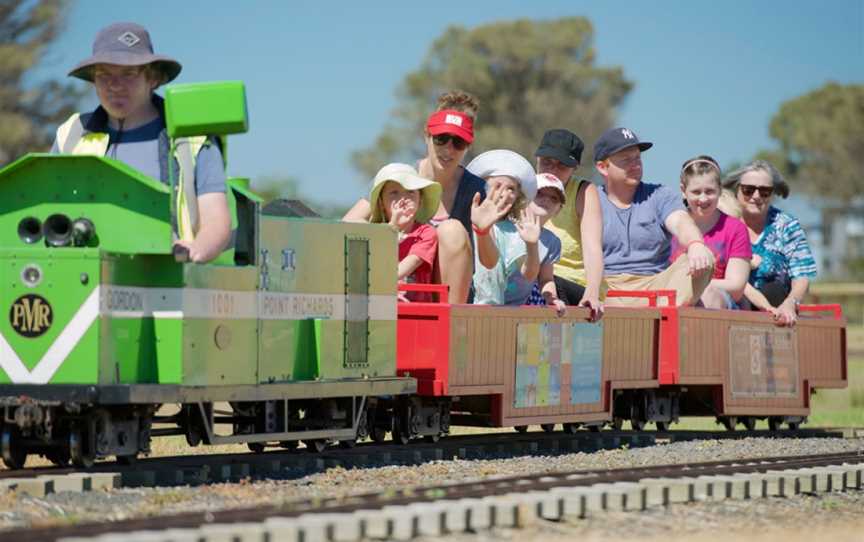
(406, 201)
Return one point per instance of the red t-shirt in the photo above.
(422, 241)
(727, 239)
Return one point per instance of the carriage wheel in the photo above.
(257, 447)
(749, 422)
(128, 460)
(548, 427)
(315, 446)
(378, 434)
(520, 428)
(775, 423)
(288, 444)
(571, 428)
(662, 427)
(729, 422)
(637, 424)
(432, 438)
(617, 424)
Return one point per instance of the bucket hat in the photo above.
(616, 139)
(124, 44)
(562, 145)
(501, 162)
(407, 176)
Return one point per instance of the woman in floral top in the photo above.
(782, 263)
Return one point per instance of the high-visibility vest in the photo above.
(73, 138)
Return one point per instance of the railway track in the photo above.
(208, 468)
(510, 502)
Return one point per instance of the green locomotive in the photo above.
(290, 335)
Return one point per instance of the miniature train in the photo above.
(295, 334)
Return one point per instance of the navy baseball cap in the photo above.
(616, 139)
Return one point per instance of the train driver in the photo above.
(129, 125)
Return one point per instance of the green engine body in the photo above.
(295, 299)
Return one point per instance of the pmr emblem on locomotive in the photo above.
(31, 315)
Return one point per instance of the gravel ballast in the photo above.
(21, 510)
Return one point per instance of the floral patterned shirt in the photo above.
(784, 251)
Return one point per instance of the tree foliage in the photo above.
(29, 113)
(529, 76)
(821, 140)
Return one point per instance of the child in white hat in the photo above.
(406, 201)
(514, 251)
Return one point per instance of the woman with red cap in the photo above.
(448, 135)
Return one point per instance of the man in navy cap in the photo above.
(639, 220)
(129, 125)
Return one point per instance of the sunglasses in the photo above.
(458, 143)
(749, 189)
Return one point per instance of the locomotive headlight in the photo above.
(58, 230)
(31, 275)
(30, 230)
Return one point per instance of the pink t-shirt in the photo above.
(727, 239)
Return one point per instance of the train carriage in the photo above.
(516, 366)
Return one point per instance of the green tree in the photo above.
(30, 113)
(529, 76)
(821, 140)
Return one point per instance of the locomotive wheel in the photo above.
(729, 422)
(432, 438)
(257, 447)
(775, 423)
(378, 434)
(662, 426)
(288, 444)
(14, 456)
(315, 446)
(637, 424)
(548, 427)
(521, 428)
(749, 422)
(399, 436)
(79, 453)
(58, 456)
(347, 444)
(128, 460)
(595, 428)
(571, 428)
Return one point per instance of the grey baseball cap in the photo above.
(125, 44)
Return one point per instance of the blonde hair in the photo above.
(461, 101)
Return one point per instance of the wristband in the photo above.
(695, 241)
(480, 232)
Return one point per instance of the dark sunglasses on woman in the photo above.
(458, 143)
(764, 191)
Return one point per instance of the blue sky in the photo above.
(321, 76)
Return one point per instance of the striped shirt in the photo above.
(784, 250)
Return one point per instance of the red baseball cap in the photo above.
(450, 121)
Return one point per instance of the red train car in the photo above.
(518, 366)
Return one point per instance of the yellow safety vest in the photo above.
(73, 138)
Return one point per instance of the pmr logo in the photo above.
(31, 315)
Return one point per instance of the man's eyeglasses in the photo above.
(458, 143)
(749, 189)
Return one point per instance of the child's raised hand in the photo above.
(493, 208)
(528, 226)
(402, 213)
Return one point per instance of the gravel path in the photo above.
(22, 510)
